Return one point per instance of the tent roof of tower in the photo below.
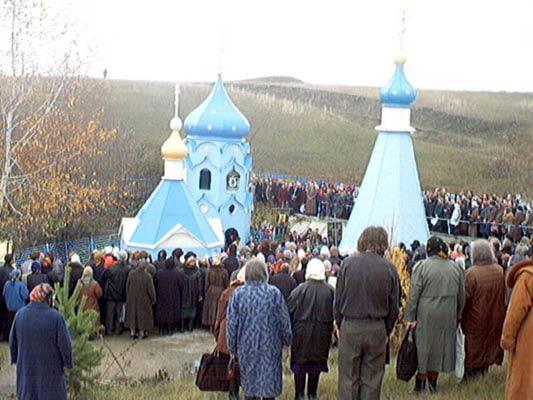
(217, 117)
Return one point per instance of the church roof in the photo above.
(217, 117)
(170, 205)
(398, 92)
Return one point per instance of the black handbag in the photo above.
(212, 375)
(407, 361)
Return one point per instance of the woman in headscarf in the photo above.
(258, 328)
(41, 369)
(36, 277)
(15, 295)
(436, 302)
(161, 258)
(91, 291)
(192, 293)
(221, 325)
(215, 283)
(311, 310)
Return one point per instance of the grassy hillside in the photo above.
(465, 140)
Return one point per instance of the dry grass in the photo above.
(490, 387)
(463, 139)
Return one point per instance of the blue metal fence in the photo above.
(83, 247)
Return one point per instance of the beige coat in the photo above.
(517, 338)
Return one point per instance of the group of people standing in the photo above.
(257, 300)
(266, 308)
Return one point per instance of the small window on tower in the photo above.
(232, 181)
(205, 179)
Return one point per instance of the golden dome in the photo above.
(174, 148)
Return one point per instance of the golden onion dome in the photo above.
(174, 148)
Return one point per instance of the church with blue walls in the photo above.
(220, 163)
(204, 195)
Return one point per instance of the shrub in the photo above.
(83, 327)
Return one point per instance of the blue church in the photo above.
(390, 194)
(219, 162)
(204, 195)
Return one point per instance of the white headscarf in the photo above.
(315, 270)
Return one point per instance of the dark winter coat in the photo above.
(231, 264)
(216, 282)
(5, 271)
(311, 311)
(98, 274)
(76, 271)
(284, 282)
(40, 369)
(483, 315)
(140, 297)
(35, 279)
(115, 282)
(169, 284)
(192, 291)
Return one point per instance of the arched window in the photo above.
(205, 179)
(232, 181)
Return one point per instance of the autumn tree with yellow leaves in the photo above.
(51, 136)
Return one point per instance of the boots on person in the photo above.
(420, 385)
(432, 384)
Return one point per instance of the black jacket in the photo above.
(231, 264)
(311, 311)
(115, 282)
(76, 271)
(284, 282)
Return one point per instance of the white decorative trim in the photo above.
(175, 170)
(395, 120)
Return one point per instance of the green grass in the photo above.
(490, 387)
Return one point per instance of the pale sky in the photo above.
(452, 44)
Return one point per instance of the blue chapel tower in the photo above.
(390, 194)
(219, 162)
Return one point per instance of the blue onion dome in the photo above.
(398, 92)
(217, 116)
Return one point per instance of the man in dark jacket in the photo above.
(5, 271)
(115, 293)
(284, 282)
(366, 309)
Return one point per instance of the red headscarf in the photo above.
(41, 293)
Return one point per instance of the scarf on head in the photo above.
(87, 277)
(41, 293)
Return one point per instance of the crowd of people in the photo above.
(462, 214)
(258, 298)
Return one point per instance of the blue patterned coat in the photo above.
(258, 328)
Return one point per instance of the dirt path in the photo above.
(170, 355)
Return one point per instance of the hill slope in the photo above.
(465, 140)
